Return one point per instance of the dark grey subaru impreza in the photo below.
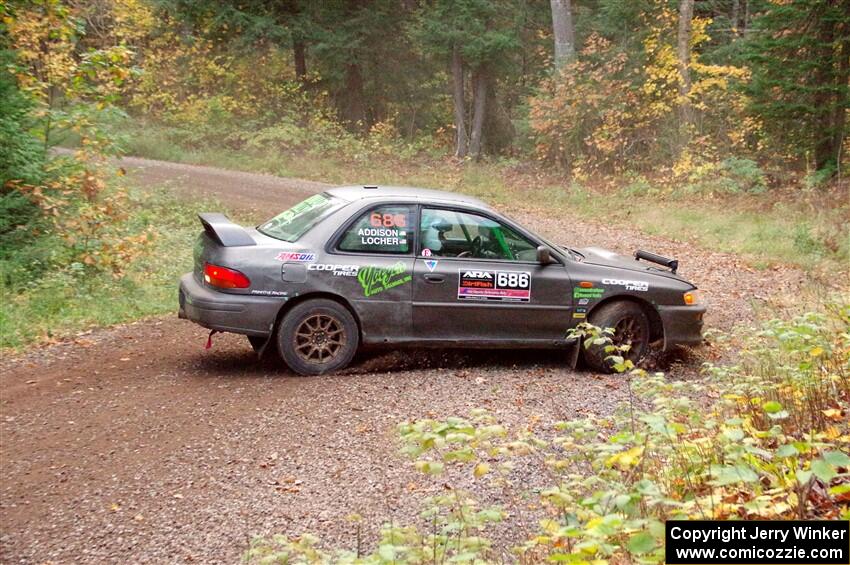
(367, 265)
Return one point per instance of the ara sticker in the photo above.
(502, 286)
(431, 264)
(299, 257)
(376, 280)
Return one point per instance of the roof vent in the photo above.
(370, 186)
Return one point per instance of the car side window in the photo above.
(449, 233)
(385, 229)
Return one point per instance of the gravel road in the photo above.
(134, 444)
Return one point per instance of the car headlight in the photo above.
(691, 297)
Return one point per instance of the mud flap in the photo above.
(209, 339)
(575, 350)
(261, 352)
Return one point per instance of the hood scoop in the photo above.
(671, 264)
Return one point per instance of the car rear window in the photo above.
(291, 224)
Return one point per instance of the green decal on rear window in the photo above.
(293, 223)
(375, 280)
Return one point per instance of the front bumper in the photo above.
(237, 313)
(682, 325)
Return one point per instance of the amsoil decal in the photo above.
(298, 257)
(375, 280)
(502, 286)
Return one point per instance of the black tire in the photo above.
(317, 337)
(631, 327)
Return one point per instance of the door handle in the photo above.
(434, 278)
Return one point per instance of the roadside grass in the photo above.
(67, 300)
(806, 230)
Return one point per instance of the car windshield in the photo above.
(293, 223)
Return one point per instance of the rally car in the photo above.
(375, 265)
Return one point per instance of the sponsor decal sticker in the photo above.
(583, 301)
(385, 230)
(426, 252)
(431, 264)
(378, 220)
(500, 286)
(269, 292)
(639, 286)
(376, 280)
(382, 236)
(337, 270)
(588, 293)
(299, 257)
(579, 315)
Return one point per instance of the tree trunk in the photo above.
(354, 105)
(563, 31)
(299, 54)
(499, 130)
(461, 138)
(683, 54)
(825, 99)
(842, 102)
(479, 107)
(735, 19)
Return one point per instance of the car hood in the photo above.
(604, 257)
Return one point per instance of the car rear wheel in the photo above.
(631, 327)
(317, 337)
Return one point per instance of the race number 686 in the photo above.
(512, 280)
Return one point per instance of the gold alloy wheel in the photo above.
(319, 338)
(629, 331)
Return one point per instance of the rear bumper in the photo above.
(249, 315)
(682, 325)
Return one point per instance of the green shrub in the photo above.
(46, 294)
(767, 437)
(639, 185)
(733, 175)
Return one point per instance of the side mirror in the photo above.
(543, 256)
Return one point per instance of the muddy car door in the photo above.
(477, 279)
(371, 265)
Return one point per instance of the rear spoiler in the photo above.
(221, 229)
(672, 264)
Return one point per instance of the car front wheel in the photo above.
(318, 336)
(631, 327)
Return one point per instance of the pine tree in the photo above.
(800, 58)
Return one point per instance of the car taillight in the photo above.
(222, 277)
